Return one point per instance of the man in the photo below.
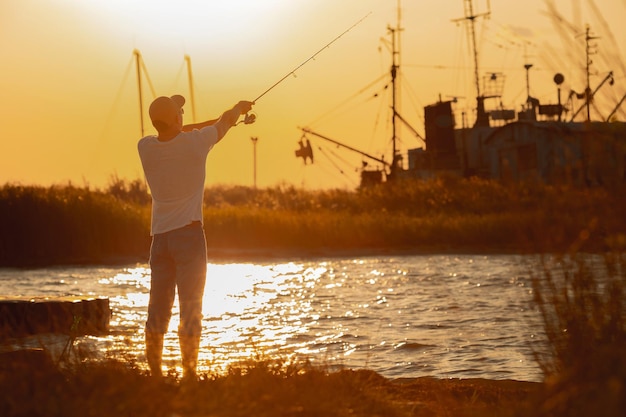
(174, 164)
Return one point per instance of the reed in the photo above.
(582, 300)
(443, 214)
(69, 224)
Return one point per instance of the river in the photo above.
(446, 316)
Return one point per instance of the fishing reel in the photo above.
(249, 118)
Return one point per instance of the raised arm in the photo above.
(192, 126)
(229, 118)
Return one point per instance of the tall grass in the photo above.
(68, 225)
(258, 387)
(253, 388)
(439, 215)
(63, 224)
(582, 300)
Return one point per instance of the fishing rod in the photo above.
(250, 118)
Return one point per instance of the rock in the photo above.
(68, 315)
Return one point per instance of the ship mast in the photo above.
(142, 66)
(396, 163)
(138, 65)
(394, 93)
(191, 89)
(482, 118)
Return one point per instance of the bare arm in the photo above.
(190, 127)
(229, 118)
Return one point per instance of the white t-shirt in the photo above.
(175, 171)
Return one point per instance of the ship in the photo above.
(547, 142)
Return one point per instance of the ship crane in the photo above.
(305, 151)
(309, 131)
(389, 171)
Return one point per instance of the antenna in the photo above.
(527, 67)
(588, 53)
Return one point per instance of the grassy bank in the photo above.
(258, 388)
(68, 224)
(582, 300)
(43, 226)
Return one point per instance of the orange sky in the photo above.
(70, 108)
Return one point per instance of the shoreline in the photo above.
(284, 254)
(261, 389)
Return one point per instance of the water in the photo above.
(405, 316)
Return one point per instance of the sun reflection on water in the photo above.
(254, 308)
(405, 316)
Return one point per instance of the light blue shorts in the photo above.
(178, 261)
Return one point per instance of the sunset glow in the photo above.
(71, 108)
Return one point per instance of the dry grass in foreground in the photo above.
(260, 388)
(582, 300)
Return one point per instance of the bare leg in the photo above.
(154, 353)
(189, 346)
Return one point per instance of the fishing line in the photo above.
(292, 72)
(250, 118)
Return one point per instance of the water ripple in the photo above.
(405, 316)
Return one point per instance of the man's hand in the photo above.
(245, 106)
(230, 117)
